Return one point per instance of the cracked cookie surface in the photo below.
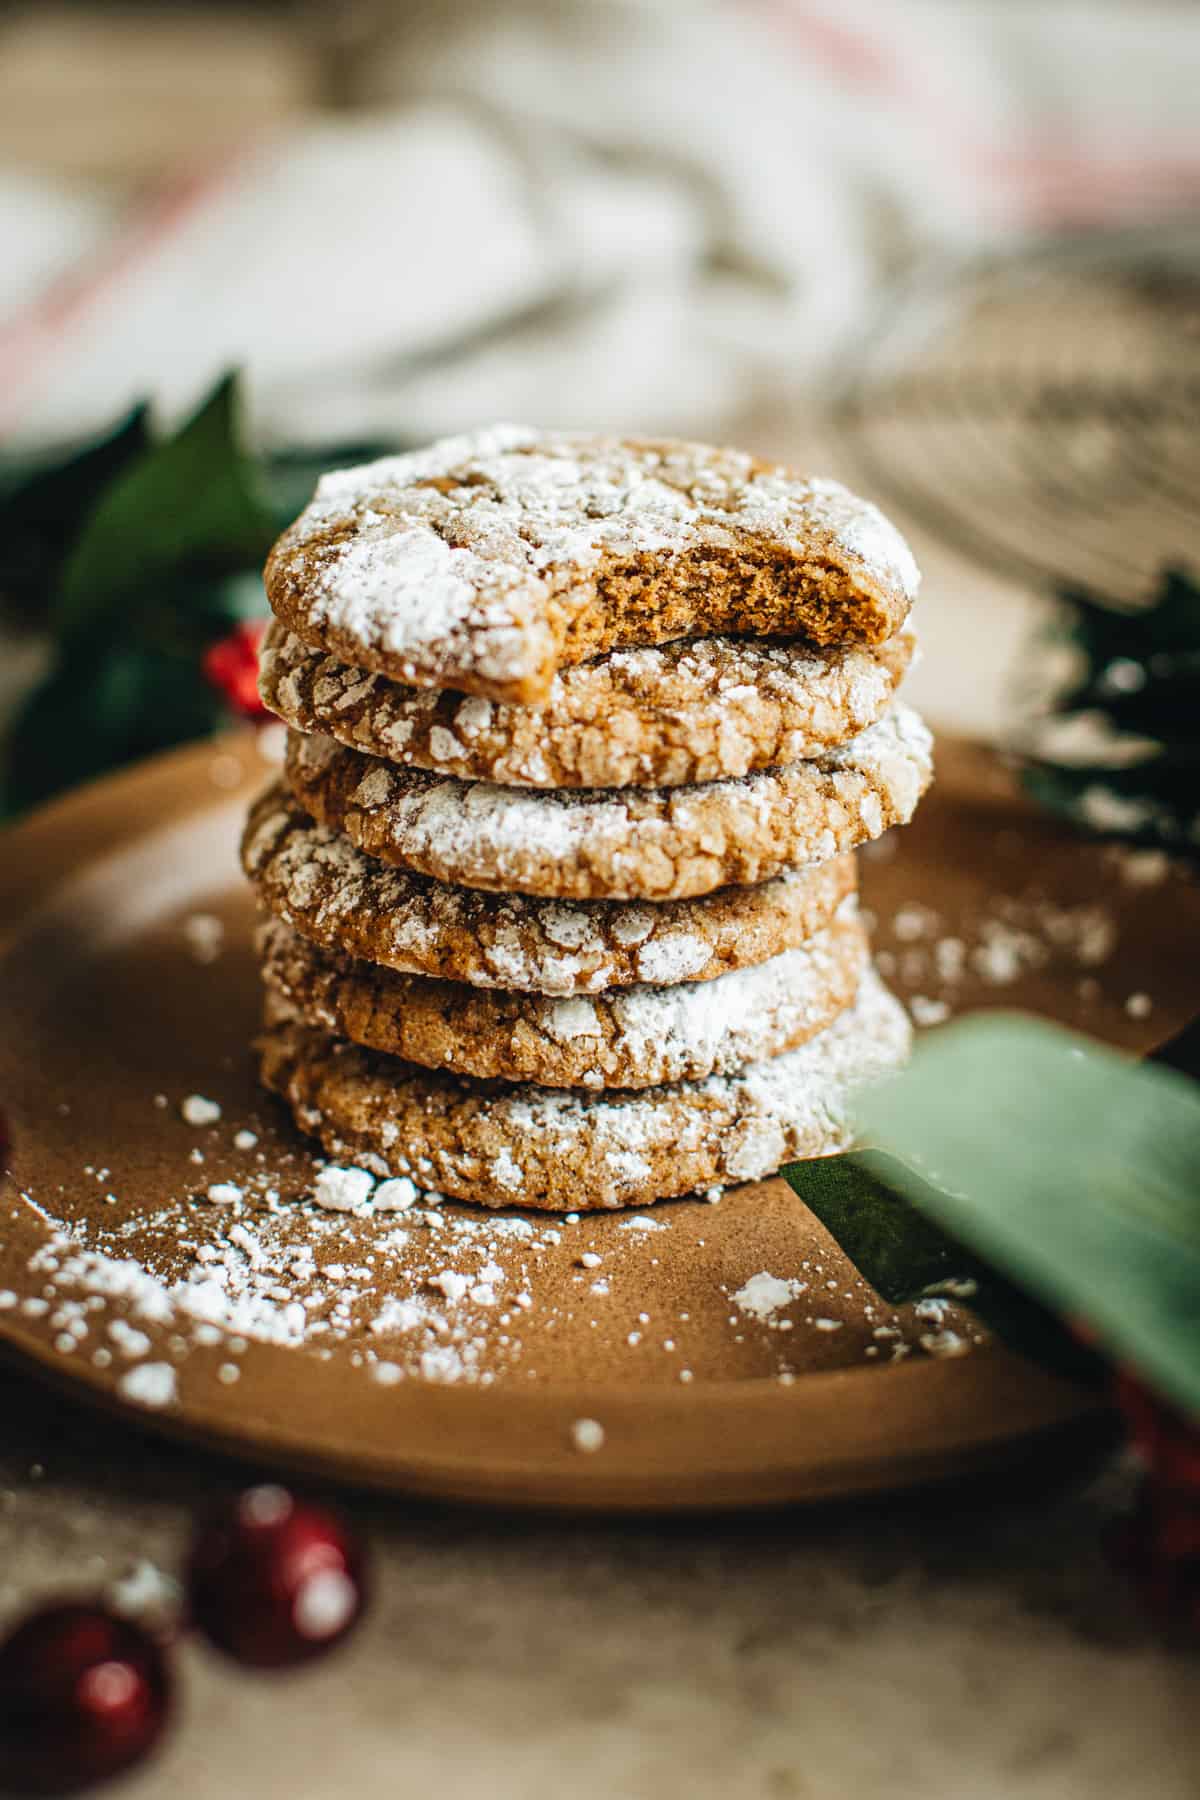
(314, 879)
(487, 562)
(628, 1038)
(699, 709)
(625, 844)
(566, 1151)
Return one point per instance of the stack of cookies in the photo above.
(559, 877)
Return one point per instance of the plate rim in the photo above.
(114, 808)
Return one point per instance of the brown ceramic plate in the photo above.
(346, 1344)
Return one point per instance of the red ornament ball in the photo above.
(274, 1581)
(231, 666)
(83, 1694)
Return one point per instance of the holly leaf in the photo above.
(1071, 1172)
(869, 1204)
(1138, 675)
(190, 503)
(42, 515)
(1153, 802)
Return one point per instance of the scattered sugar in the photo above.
(943, 1344)
(342, 1190)
(928, 1012)
(196, 1110)
(588, 1436)
(397, 1194)
(224, 1193)
(764, 1294)
(150, 1384)
(205, 936)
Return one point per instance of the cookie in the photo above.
(335, 896)
(701, 709)
(567, 1151)
(628, 1038)
(627, 843)
(485, 563)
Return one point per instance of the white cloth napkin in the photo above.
(599, 214)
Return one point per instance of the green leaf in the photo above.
(41, 516)
(1152, 803)
(191, 502)
(893, 1241)
(104, 705)
(1139, 673)
(1072, 1172)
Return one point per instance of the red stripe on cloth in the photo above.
(1042, 182)
(32, 337)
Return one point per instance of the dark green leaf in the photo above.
(106, 705)
(41, 516)
(881, 1215)
(1139, 674)
(190, 503)
(1071, 1171)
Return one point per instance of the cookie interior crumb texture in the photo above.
(488, 562)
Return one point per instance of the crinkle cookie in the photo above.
(700, 709)
(629, 1038)
(315, 880)
(487, 562)
(567, 1151)
(627, 843)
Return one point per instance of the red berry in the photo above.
(273, 1581)
(83, 1694)
(1158, 1548)
(231, 665)
(1169, 1442)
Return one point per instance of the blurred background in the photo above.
(947, 250)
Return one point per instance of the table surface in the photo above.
(974, 1643)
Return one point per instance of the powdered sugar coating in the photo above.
(314, 879)
(473, 564)
(627, 844)
(631, 1037)
(701, 709)
(566, 1151)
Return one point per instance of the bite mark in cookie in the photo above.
(486, 563)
